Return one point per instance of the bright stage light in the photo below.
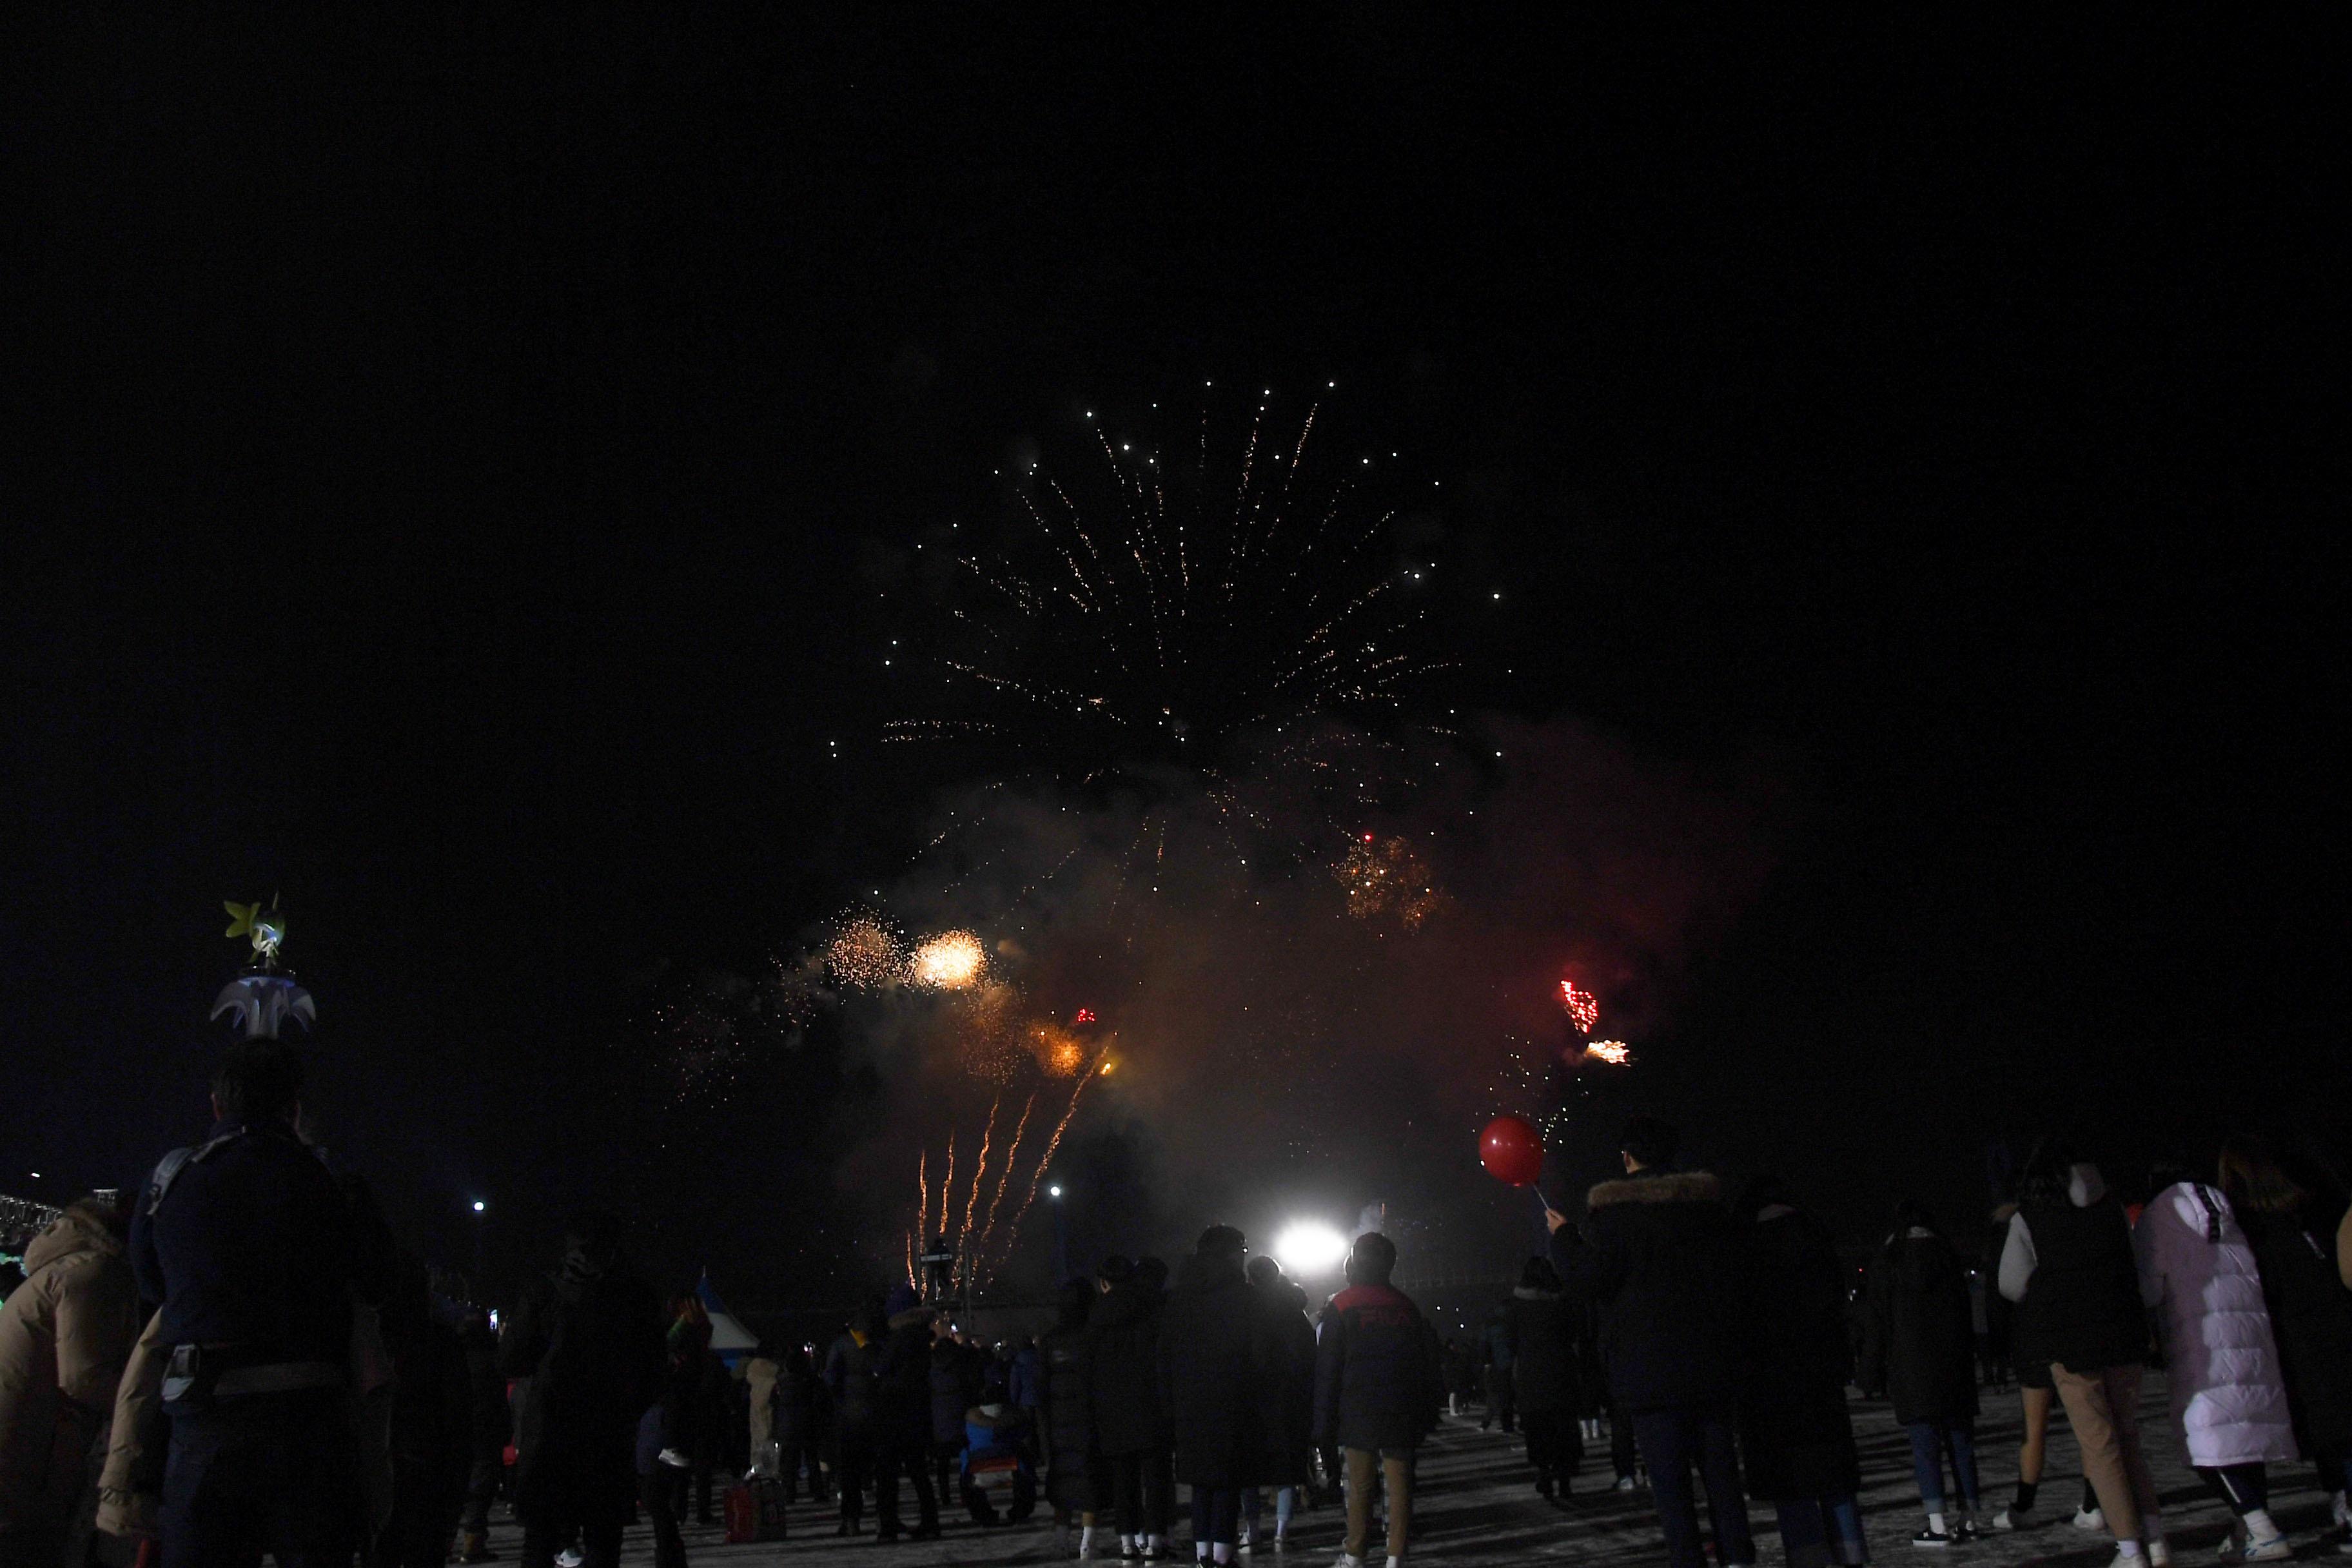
(1310, 1248)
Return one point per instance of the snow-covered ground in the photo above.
(1477, 1505)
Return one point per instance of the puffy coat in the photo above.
(1497, 1344)
(1067, 1416)
(1793, 1421)
(760, 1375)
(1122, 1372)
(1287, 1458)
(1543, 1333)
(590, 1339)
(1919, 1341)
(1657, 1260)
(64, 1335)
(2311, 1319)
(1378, 1381)
(902, 1381)
(2228, 1398)
(1218, 1365)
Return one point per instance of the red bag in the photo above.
(755, 1510)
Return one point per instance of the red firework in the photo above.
(1583, 1006)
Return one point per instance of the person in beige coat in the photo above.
(64, 1337)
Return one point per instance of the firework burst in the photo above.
(949, 962)
(1151, 607)
(864, 953)
(1615, 1053)
(1583, 1008)
(1387, 876)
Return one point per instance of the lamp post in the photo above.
(481, 1220)
(1061, 1233)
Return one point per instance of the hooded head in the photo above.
(1222, 1241)
(1539, 1275)
(1263, 1271)
(1371, 1261)
(1115, 1271)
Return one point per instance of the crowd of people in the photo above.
(242, 1361)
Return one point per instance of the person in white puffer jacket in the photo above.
(2229, 1396)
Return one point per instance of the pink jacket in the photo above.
(2228, 1400)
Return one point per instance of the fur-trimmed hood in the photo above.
(1674, 1187)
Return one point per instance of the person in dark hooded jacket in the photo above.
(431, 1425)
(1121, 1368)
(1793, 1420)
(1542, 1328)
(1067, 1414)
(849, 1384)
(2293, 1234)
(1919, 1347)
(589, 1337)
(1658, 1262)
(902, 1378)
(1218, 1353)
(800, 1424)
(1287, 1460)
(1378, 1389)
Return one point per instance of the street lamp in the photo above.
(481, 1220)
(1061, 1233)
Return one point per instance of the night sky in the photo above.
(465, 468)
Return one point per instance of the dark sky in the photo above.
(452, 455)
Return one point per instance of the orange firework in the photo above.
(864, 953)
(949, 962)
(1004, 1180)
(979, 1172)
(1012, 1231)
(1387, 876)
(1058, 1051)
(1583, 1006)
(1616, 1053)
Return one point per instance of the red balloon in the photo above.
(1512, 1150)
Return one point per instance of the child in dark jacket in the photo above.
(1379, 1387)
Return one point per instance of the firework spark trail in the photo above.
(1020, 1128)
(1093, 1070)
(949, 1185)
(979, 1170)
(923, 1191)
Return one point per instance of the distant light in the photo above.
(479, 1205)
(1310, 1249)
(35, 1174)
(1054, 1192)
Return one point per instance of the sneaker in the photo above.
(2274, 1550)
(1628, 1484)
(1931, 1536)
(2158, 1553)
(569, 1558)
(2014, 1518)
(1151, 1549)
(2090, 1518)
(1965, 1530)
(1348, 1559)
(676, 1461)
(1130, 1553)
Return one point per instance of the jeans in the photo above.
(1817, 1532)
(1673, 1439)
(1395, 1469)
(269, 1473)
(1929, 1440)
